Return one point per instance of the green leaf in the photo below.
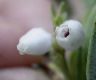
(89, 27)
(89, 23)
(78, 65)
(91, 61)
(59, 20)
(60, 12)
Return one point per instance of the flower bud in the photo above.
(70, 35)
(36, 42)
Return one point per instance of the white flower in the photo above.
(36, 42)
(70, 35)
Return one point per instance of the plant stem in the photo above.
(59, 59)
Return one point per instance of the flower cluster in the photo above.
(69, 35)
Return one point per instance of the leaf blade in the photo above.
(91, 60)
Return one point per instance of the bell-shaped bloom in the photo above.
(35, 42)
(70, 35)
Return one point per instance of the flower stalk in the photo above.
(59, 59)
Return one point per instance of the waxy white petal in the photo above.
(35, 42)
